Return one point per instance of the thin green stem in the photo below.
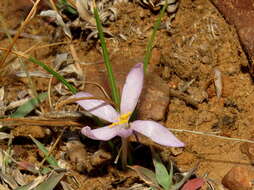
(55, 74)
(112, 80)
(151, 40)
(124, 153)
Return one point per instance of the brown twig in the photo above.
(52, 148)
(28, 121)
(28, 18)
(182, 96)
(72, 100)
(211, 135)
(100, 87)
(53, 44)
(52, 3)
(17, 53)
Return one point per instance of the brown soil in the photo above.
(200, 41)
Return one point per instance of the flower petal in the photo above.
(124, 130)
(98, 108)
(132, 89)
(102, 133)
(156, 132)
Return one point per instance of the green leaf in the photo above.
(50, 159)
(29, 106)
(48, 184)
(161, 172)
(185, 178)
(51, 182)
(170, 175)
(148, 176)
(55, 74)
(156, 26)
(63, 4)
(24, 187)
(111, 77)
(45, 170)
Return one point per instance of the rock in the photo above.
(100, 158)
(238, 178)
(235, 12)
(82, 160)
(155, 58)
(198, 94)
(78, 156)
(154, 100)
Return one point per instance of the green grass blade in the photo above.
(171, 174)
(55, 74)
(29, 106)
(51, 182)
(162, 175)
(112, 80)
(63, 4)
(50, 159)
(151, 40)
(148, 176)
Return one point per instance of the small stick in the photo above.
(52, 3)
(53, 44)
(52, 148)
(100, 87)
(72, 100)
(28, 18)
(49, 93)
(182, 96)
(211, 135)
(25, 35)
(28, 121)
(17, 53)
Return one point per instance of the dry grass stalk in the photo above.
(27, 20)
(28, 121)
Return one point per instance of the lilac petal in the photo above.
(132, 89)
(156, 132)
(123, 130)
(102, 133)
(98, 108)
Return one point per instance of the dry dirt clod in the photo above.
(78, 155)
(84, 162)
(100, 157)
(239, 178)
(248, 149)
(34, 131)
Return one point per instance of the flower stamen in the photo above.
(124, 118)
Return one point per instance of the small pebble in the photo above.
(239, 178)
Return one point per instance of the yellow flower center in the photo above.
(124, 118)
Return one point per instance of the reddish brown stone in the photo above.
(238, 178)
(240, 13)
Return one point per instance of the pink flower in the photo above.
(120, 121)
